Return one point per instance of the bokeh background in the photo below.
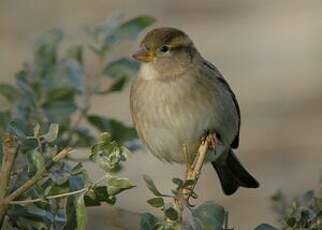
(269, 51)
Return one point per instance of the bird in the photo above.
(177, 97)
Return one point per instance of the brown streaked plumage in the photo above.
(179, 96)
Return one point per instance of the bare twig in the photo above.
(193, 170)
(9, 153)
(28, 184)
(49, 197)
(25, 187)
(62, 154)
(226, 222)
(44, 199)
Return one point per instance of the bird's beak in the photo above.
(143, 55)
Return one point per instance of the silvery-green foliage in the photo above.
(46, 110)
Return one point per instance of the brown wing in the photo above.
(235, 143)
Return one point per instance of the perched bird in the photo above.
(177, 98)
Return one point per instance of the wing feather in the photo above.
(235, 142)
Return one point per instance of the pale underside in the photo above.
(172, 115)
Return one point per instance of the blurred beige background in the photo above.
(269, 51)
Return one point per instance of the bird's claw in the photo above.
(213, 140)
(211, 137)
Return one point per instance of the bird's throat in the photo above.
(148, 72)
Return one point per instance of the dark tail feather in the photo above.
(233, 175)
(228, 182)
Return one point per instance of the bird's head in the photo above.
(167, 50)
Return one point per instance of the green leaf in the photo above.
(151, 186)
(79, 178)
(52, 133)
(171, 213)
(9, 92)
(121, 68)
(280, 203)
(29, 98)
(36, 162)
(45, 51)
(291, 221)
(61, 94)
(148, 221)
(156, 202)
(78, 169)
(18, 127)
(178, 182)
(210, 214)
(60, 172)
(67, 73)
(59, 111)
(106, 137)
(101, 123)
(130, 30)
(115, 184)
(76, 213)
(117, 86)
(54, 189)
(76, 53)
(308, 196)
(97, 195)
(118, 130)
(76, 182)
(188, 182)
(4, 121)
(33, 213)
(265, 227)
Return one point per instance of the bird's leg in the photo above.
(203, 140)
(192, 174)
(188, 160)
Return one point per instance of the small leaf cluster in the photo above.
(108, 154)
(302, 212)
(57, 181)
(205, 216)
(47, 109)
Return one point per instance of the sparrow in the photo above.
(179, 96)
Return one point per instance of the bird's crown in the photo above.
(165, 36)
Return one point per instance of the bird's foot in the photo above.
(211, 137)
(213, 140)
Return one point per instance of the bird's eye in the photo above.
(164, 49)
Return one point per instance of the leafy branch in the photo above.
(61, 195)
(105, 152)
(178, 212)
(7, 164)
(46, 114)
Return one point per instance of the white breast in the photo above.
(147, 72)
(173, 113)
